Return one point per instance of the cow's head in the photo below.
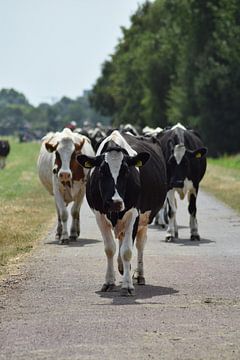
(117, 177)
(65, 165)
(178, 165)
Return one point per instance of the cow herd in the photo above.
(129, 180)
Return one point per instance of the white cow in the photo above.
(63, 177)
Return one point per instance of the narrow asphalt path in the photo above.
(189, 309)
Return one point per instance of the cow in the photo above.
(129, 128)
(96, 135)
(62, 176)
(185, 157)
(148, 131)
(126, 188)
(4, 151)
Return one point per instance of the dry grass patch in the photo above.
(224, 183)
(22, 223)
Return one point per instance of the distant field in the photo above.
(223, 180)
(26, 210)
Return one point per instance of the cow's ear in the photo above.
(199, 153)
(50, 147)
(79, 145)
(138, 160)
(89, 162)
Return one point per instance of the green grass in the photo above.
(222, 179)
(26, 210)
(229, 162)
(19, 176)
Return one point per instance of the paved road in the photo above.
(189, 309)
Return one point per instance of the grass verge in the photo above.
(222, 179)
(27, 210)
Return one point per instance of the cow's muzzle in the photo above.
(177, 184)
(65, 178)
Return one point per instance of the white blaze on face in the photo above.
(118, 139)
(178, 125)
(114, 161)
(65, 150)
(179, 151)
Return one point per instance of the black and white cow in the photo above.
(186, 162)
(126, 189)
(4, 151)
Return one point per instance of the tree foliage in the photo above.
(17, 115)
(178, 61)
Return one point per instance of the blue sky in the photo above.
(52, 48)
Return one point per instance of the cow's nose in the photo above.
(64, 176)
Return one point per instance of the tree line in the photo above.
(18, 116)
(179, 61)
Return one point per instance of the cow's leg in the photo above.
(62, 215)
(2, 162)
(126, 252)
(141, 239)
(75, 212)
(110, 249)
(172, 230)
(119, 259)
(162, 216)
(59, 225)
(193, 220)
(64, 238)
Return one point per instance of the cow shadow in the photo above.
(164, 228)
(78, 243)
(141, 293)
(188, 242)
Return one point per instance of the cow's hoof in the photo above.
(108, 287)
(73, 237)
(195, 238)
(170, 239)
(63, 241)
(127, 292)
(141, 280)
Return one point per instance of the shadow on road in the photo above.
(163, 229)
(78, 243)
(141, 292)
(188, 242)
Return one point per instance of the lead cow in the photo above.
(125, 189)
(185, 157)
(62, 176)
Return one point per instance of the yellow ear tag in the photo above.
(198, 155)
(139, 163)
(87, 164)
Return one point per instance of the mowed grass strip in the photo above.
(223, 180)
(26, 209)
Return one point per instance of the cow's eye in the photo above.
(58, 158)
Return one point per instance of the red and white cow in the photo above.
(63, 177)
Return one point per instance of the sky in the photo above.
(55, 48)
